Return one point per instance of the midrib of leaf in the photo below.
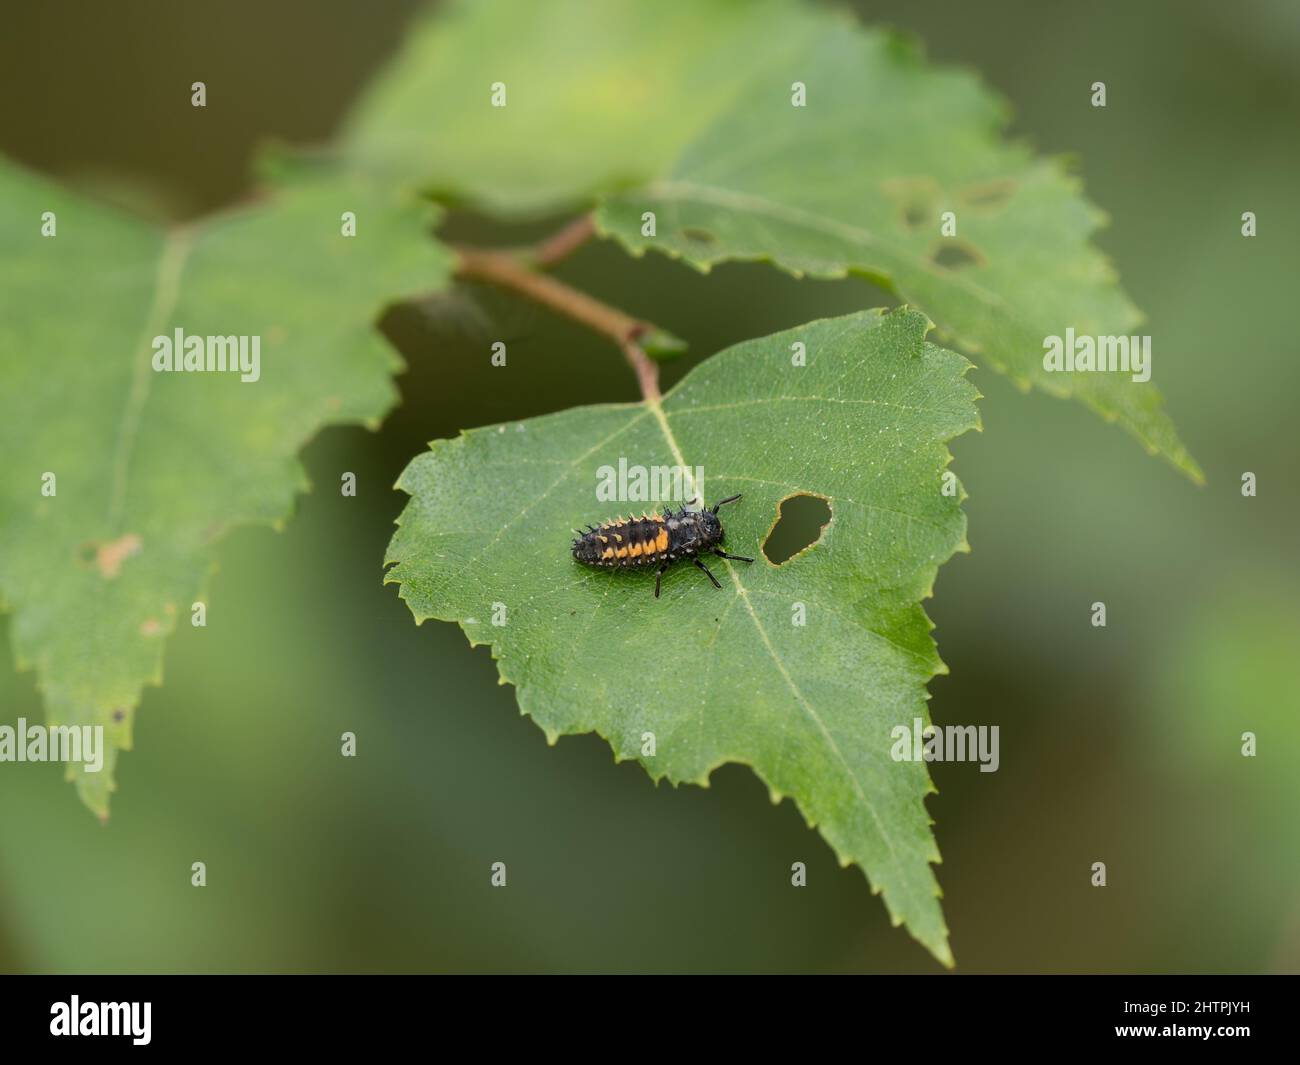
(166, 293)
(656, 408)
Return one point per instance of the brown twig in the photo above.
(558, 247)
(513, 270)
(646, 370)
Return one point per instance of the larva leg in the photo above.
(708, 573)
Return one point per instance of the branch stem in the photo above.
(559, 246)
(514, 271)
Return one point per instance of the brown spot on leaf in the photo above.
(989, 194)
(698, 236)
(110, 554)
(150, 627)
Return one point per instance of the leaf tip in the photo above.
(943, 954)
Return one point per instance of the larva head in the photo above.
(710, 526)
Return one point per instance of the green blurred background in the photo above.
(1119, 744)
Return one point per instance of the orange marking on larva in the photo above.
(621, 552)
(634, 551)
(661, 544)
(607, 553)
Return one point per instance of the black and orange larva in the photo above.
(654, 540)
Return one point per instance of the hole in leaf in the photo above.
(700, 236)
(915, 215)
(799, 524)
(955, 254)
(917, 200)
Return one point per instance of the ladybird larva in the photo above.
(655, 540)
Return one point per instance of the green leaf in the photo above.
(858, 180)
(596, 96)
(150, 468)
(726, 676)
(688, 103)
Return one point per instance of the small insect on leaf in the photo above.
(656, 540)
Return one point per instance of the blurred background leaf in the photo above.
(522, 109)
(884, 153)
(592, 97)
(151, 468)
